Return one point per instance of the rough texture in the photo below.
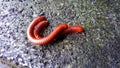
(99, 48)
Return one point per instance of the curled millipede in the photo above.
(38, 25)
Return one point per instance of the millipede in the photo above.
(38, 25)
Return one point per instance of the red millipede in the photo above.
(38, 25)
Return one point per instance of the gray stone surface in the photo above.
(7, 64)
(99, 48)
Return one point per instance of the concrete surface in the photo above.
(99, 48)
